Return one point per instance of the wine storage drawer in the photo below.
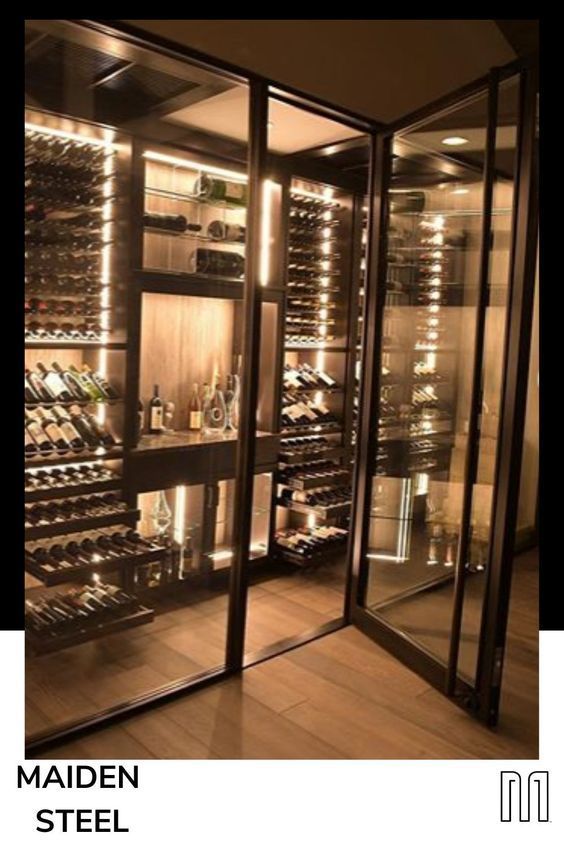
(335, 478)
(73, 490)
(312, 455)
(43, 645)
(325, 512)
(83, 524)
(108, 565)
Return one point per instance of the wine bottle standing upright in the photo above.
(156, 413)
(195, 410)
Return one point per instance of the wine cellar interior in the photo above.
(136, 233)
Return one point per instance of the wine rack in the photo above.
(81, 614)
(75, 377)
(313, 479)
(76, 555)
(194, 219)
(417, 389)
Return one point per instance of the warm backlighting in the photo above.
(454, 141)
(179, 514)
(72, 136)
(266, 232)
(459, 191)
(221, 555)
(152, 155)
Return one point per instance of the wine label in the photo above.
(195, 420)
(55, 383)
(234, 191)
(156, 417)
(68, 430)
(54, 432)
(37, 433)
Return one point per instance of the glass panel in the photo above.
(315, 193)
(433, 252)
(492, 373)
(136, 190)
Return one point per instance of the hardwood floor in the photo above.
(339, 697)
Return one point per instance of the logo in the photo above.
(524, 801)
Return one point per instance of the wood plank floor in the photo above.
(339, 697)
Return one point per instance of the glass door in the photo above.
(435, 363)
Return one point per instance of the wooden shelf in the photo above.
(82, 524)
(41, 645)
(187, 440)
(74, 345)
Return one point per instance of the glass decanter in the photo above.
(161, 516)
(232, 403)
(214, 416)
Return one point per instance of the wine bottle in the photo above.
(69, 431)
(155, 413)
(195, 410)
(82, 426)
(39, 387)
(217, 263)
(220, 190)
(218, 230)
(52, 430)
(100, 381)
(72, 382)
(55, 384)
(30, 447)
(89, 387)
(106, 438)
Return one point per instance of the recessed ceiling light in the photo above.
(460, 191)
(454, 141)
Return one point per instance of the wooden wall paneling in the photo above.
(183, 340)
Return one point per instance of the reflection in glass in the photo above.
(429, 320)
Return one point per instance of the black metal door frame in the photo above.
(483, 697)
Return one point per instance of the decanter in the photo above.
(214, 416)
(232, 403)
(161, 515)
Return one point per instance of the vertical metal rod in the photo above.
(245, 459)
(369, 398)
(473, 445)
(513, 407)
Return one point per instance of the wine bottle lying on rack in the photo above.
(216, 190)
(217, 263)
(66, 553)
(170, 222)
(60, 430)
(78, 610)
(53, 511)
(51, 478)
(309, 542)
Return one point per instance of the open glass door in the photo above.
(436, 370)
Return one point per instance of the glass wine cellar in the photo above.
(271, 388)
